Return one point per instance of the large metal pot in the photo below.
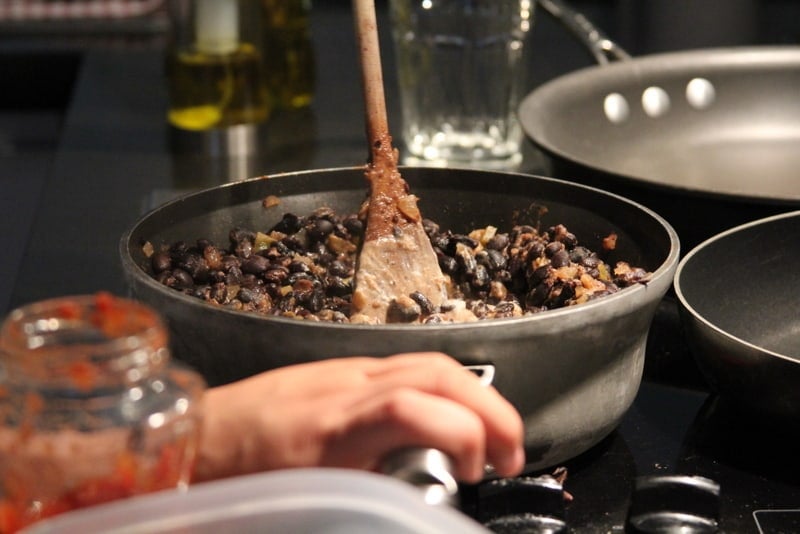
(572, 373)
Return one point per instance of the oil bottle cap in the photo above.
(216, 26)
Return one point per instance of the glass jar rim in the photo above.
(113, 331)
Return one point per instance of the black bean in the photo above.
(195, 265)
(425, 304)
(480, 278)
(312, 300)
(354, 225)
(234, 276)
(498, 242)
(552, 248)
(276, 274)
(183, 280)
(560, 259)
(592, 261)
(539, 294)
(337, 286)
(320, 229)
(297, 266)
(563, 295)
(578, 253)
(492, 259)
(430, 227)
(255, 264)
(178, 249)
(539, 275)
(447, 264)
(403, 310)
(569, 240)
(465, 258)
(161, 261)
(535, 250)
(238, 235)
(289, 224)
(340, 268)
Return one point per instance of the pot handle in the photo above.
(601, 47)
(431, 470)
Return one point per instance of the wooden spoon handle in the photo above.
(372, 74)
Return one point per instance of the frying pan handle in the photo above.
(601, 47)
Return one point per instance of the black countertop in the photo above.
(77, 169)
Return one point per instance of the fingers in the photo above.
(351, 412)
(429, 399)
(442, 376)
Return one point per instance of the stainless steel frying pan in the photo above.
(708, 138)
(739, 299)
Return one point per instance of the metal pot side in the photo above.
(572, 373)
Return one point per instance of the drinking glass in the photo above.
(461, 76)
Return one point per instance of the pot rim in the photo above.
(661, 276)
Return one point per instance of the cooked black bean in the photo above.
(319, 229)
(289, 224)
(403, 310)
(161, 261)
(337, 286)
(255, 264)
(498, 242)
(308, 272)
(447, 264)
(494, 259)
(183, 280)
(560, 259)
(425, 304)
(354, 225)
(539, 275)
(536, 250)
(340, 268)
(276, 274)
(552, 248)
(480, 278)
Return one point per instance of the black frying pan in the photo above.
(707, 138)
(571, 372)
(739, 298)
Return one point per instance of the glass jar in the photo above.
(92, 409)
(214, 69)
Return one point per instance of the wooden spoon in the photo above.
(396, 257)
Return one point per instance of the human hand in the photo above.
(352, 412)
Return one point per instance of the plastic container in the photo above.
(308, 501)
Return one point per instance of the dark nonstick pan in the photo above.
(708, 138)
(571, 372)
(739, 300)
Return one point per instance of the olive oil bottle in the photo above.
(289, 52)
(215, 72)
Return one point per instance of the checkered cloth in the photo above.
(76, 9)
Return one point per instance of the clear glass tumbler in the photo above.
(461, 76)
(92, 409)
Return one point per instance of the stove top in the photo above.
(677, 443)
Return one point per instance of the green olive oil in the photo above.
(211, 90)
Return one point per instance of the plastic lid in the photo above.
(287, 501)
